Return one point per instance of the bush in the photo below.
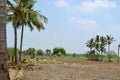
(110, 55)
(74, 55)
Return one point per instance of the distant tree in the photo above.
(40, 52)
(31, 52)
(97, 44)
(90, 44)
(59, 51)
(48, 51)
(74, 55)
(110, 39)
(103, 42)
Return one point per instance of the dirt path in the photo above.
(72, 70)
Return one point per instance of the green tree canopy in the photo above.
(59, 51)
(48, 51)
(40, 52)
(98, 44)
(31, 52)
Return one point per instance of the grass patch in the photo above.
(65, 58)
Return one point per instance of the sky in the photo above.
(71, 23)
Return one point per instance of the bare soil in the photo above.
(75, 70)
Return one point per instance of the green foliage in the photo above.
(59, 51)
(48, 51)
(111, 55)
(40, 52)
(10, 51)
(91, 55)
(110, 39)
(30, 52)
(74, 55)
(60, 58)
(98, 44)
(21, 13)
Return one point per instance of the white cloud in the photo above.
(84, 23)
(89, 6)
(61, 3)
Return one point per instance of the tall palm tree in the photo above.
(14, 12)
(103, 43)
(30, 17)
(4, 73)
(110, 39)
(90, 44)
(97, 43)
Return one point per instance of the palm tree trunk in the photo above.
(108, 48)
(118, 53)
(15, 45)
(102, 56)
(108, 52)
(4, 73)
(15, 41)
(21, 43)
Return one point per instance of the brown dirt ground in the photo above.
(75, 70)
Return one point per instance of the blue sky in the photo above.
(71, 23)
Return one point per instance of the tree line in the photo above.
(32, 52)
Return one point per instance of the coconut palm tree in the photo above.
(4, 73)
(110, 39)
(90, 44)
(103, 43)
(30, 17)
(14, 12)
(97, 44)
